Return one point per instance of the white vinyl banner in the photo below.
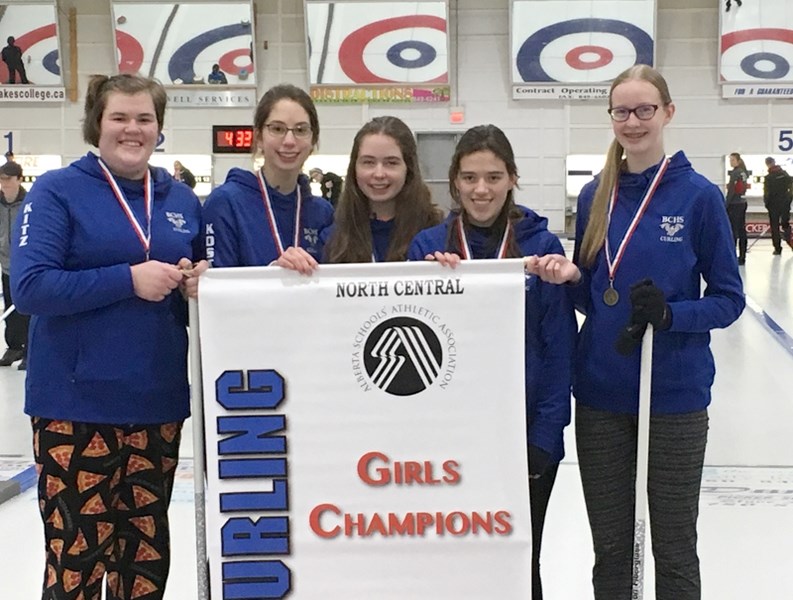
(366, 432)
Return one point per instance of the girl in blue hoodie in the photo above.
(649, 231)
(486, 224)
(100, 250)
(270, 217)
(385, 201)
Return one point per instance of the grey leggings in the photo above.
(607, 460)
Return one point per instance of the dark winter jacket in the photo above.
(776, 188)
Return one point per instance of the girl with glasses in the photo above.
(649, 231)
(487, 224)
(270, 217)
(384, 202)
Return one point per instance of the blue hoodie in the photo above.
(238, 233)
(98, 353)
(550, 327)
(683, 238)
(381, 237)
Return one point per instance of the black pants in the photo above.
(737, 214)
(13, 69)
(779, 217)
(16, 324)
(104, 492)
(540, 492)
(607, 461)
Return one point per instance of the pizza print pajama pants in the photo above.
(104, 492)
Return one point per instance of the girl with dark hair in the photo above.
(649, 231)
(270, 217)
(98, 263)
(736, 203)
(384, 202)
(486, 224)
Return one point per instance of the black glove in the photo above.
(648, 305)
(629, 339)
(539, 461)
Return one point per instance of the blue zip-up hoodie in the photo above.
(684, 237)
(550, 327)
(97, 353)
(238, 232)
(381, 237)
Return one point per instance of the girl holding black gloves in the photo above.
(649, 230)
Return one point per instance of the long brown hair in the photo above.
(739, 160)
(595, 233)
(481, 139)
(351, 241)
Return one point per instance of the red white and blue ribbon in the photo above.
(148, 196)
(268, 209)
(614, 263)
(465, 248)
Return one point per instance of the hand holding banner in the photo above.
(366, 432)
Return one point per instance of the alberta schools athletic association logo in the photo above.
(404, 349)
(403, 356)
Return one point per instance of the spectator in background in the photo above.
(216, 76)
(183, 174)
(12, 57)
(776, 197)
(736, 203)
(12, 195)
(9, 156)
(330, 183)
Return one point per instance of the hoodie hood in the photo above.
(527, 226)
(16, 201)
(531, 234)
(249, 180)
(89, 164)
(679, 166)
(530, 224)
(244, 178)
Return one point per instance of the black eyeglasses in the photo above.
(301, 130)
(643, 112)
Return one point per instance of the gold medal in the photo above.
(610, 296)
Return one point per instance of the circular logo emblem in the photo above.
(403, 356)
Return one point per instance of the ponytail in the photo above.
(595, 233)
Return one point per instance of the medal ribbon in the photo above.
(648, 194)
(268, 209)
(148, 198)
(466, 249)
